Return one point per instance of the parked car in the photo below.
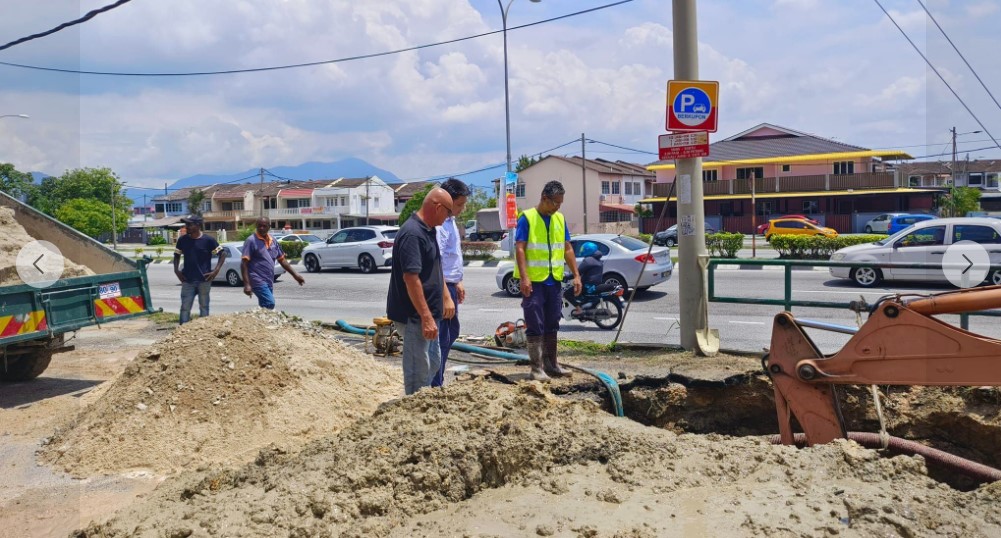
(903, 221)
(796, 227)
(305, 238)
(762, 228)
(669, 237)
(923, 242)
(230, 272)
(880, 224)
(623, 257)
(366, 247)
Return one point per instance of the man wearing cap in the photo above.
(197, 275)
(260, 253)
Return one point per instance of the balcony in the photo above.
(230, 215)
(308, 212)
(806, 184)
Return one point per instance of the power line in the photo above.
(935, 70)
(309, 64)
(85, 18)
(622, 147)
(972, 70)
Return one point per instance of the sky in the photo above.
(839, 70)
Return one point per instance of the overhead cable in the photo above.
(63, 26)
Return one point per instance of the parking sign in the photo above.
(691, 105)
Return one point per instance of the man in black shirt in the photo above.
(197, 276)
(417, 298)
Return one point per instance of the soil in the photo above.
(13, 238)
(478, 458)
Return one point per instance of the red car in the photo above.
(760, 230)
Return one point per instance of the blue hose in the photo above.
(605, 379)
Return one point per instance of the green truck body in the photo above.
(33, 321)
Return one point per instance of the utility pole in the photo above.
(693, 301)
(114, 221)
(952, 186)
(261, 191)
(583, 178)
(368, 200)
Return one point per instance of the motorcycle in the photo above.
(604, 308)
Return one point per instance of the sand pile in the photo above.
(217, 390)
(13, 236)
(482, 459)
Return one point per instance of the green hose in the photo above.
(605, 379)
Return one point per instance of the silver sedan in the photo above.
(623, 257)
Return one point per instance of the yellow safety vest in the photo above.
(544, 254)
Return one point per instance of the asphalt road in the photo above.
(653, 317)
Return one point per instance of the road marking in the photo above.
(491, 310)
(746, 322)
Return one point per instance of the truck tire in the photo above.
(28, 366)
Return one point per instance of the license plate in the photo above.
(112, 289)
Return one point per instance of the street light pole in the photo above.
(952, 187)
(502, 199)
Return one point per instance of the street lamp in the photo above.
(502, 195)
(25, 116)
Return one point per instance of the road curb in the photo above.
(482, 263)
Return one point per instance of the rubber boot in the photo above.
(534, 344)
(551, 365)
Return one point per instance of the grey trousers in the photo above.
(421, 360)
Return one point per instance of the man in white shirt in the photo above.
(450, 247)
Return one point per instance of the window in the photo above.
(339, 237)
(934, 235)
(977, 234)
(605, 187)
(914, 181)
(519, 189)
(975, 179)
(766, 208)
(207, 205)
(629, 188)
(330, 202)
(577, 244)
(637, 189)
(615, 187)
(710, 175)
(232, 206)
(375, 202)
(992, 180)
(295, 203)
(792, 224)
(750, 173)
(786, 167)
(811, 206)
(844, 167)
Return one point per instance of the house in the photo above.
(787, 171)
(606, 192)
(404, 192)
(982, 174)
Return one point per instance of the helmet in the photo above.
(588, 249)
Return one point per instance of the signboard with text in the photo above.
(512, 211)
(691, 105)
(683, 146)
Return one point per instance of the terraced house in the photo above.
(789, 172)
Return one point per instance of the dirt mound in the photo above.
(14, 237)
(485, 459)
(219, 389)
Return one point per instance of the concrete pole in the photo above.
(693, 300)
(583, 178)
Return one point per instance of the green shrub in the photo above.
(478, 249)
(292, 249)
(816, 247)
(159, 252)
(243, 233)
(157, 240)
(139, 252)
(724, 244)
(643, 237)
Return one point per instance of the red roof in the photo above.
(616, 207)
(295, 193)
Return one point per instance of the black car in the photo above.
(669, 237)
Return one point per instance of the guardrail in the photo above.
(788, 302)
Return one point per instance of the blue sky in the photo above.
(836, 69)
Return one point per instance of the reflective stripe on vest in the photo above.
(544, 253)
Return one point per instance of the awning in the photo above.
(295, 193)
(156, 223)
(624, 208)
(809, 194)
(836, 156)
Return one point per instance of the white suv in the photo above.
(365, 247)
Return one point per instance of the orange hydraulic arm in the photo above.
(900, 344)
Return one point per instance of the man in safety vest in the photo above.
(542, 251)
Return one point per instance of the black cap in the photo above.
(192, 219)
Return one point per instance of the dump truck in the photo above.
(35, 320)
(488, 226)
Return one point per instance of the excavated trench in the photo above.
(964, 421)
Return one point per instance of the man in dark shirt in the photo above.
(197, 275)
(417, 298)
(260, 253)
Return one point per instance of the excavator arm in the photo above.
(900, 344)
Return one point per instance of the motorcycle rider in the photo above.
(591, 269)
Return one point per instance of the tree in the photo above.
(524, 162)
(91, 217)
(99, 184)
(195, 200)
(14, 182)
(414, 203)
(480, 199)
(960, 201)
